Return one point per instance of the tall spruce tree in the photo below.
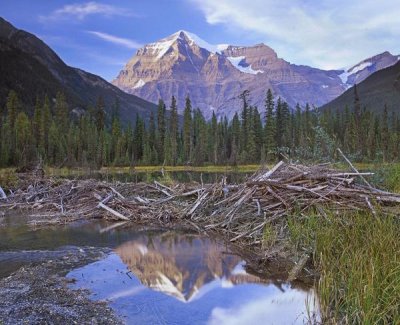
(46, 123)
(61, 112)
(173, 130)
(187, 130)
(270, 126)
(161, 129)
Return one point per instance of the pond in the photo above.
(155, 276)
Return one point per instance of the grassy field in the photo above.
(205, 169)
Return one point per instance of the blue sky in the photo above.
(101, 36)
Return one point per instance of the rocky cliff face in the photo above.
(214, 75)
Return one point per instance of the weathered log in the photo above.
(112, 211)
(270, 172)
(354, 168)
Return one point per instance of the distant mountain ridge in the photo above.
(214, 75)
(379, 89)
(31, 68)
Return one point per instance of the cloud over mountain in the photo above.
(326, 34)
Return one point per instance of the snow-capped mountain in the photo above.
(214, 75)
(365, 68)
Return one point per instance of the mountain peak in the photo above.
(360, 71)
(161, 47)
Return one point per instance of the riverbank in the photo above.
(39, 294)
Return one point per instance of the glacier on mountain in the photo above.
(236, 60)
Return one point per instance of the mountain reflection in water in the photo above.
(173, 278)
(181, 265)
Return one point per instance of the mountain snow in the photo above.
(164, 285)
(161, 47)
(139, 84)
(203, 44)
(360, 67)
(235, 60)
(357, 68)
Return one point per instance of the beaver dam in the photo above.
(252, 215)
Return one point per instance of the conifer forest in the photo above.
(57, 136)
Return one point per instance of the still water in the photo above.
(160, 277)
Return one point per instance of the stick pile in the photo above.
(240, 211)
(286, 190)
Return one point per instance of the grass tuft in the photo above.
(358, 258)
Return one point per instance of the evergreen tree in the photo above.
(357, 115)
(385, 137)
(152, 139)
(100, 114)
(45, 127)
(161, 129)
(251, 149)
(22, 139)
(187, 130)
(100, 121)
(138, 137)
(279, 124)
(244, 122)
(213, 140)
(173, 130)
(12, 108)
(235, 130)
(270, 126)
(61, 111)
(115, 155)
(258, 135)
(37, 121)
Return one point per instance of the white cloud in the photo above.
(130, 44)
(81, 10)
(291, 307)
(327, 34)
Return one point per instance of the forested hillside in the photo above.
(31, 68)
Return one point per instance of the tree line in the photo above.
(56, 136)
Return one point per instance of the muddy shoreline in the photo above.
(39, 293)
